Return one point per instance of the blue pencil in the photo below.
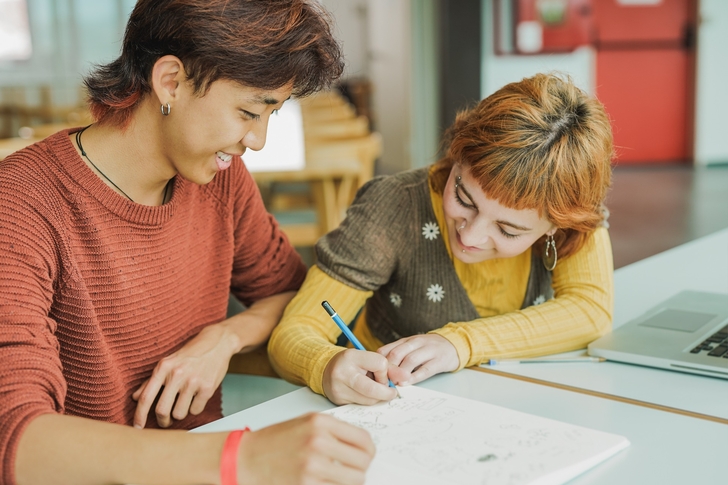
(344, 328)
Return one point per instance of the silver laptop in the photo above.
(687, 332)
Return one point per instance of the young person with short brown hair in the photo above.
(498, 250)
(121, 241)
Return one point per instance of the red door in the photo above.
(644, 71)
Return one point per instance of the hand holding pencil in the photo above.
(353, 376)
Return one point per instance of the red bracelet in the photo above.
(229, 458)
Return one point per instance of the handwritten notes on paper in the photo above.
(431, 438)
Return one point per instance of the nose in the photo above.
(255, 137)
(471, 234)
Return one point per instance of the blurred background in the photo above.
(659, 67)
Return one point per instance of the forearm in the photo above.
(60, 449)
(303, 344)
(299, 354)
(251, 328)
(580, 312)
(563, 324)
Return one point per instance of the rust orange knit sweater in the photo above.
(95, 289)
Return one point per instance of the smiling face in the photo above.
(480, 228)
(206, 134)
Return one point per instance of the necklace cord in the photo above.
(83, 152)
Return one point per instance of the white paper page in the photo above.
(431, 438)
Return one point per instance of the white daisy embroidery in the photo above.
(539, 300)
(395, 299)
(430, 231)
(435, 293)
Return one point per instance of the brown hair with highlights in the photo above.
(263, 44)
(543, 144)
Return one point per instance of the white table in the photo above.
(666, 448)
(698, 265)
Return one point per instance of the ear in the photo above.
(168, 73)
(552, 231)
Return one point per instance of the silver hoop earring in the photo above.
(549, 260)
(165, 109)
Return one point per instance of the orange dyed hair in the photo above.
(541, 144)
(263, 44)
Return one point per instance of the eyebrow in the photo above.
(504, 223)
(263, 99)
(514, 226)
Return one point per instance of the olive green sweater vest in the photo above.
(391, 244)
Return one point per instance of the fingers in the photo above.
(146, 398)
(386, 349)
(181, 407)
(203, 395)
(420, 356)
(345, 378)
(348, 446)
(425, 371)
(368, 391)
(398, 375)
(353, 436)
(396, 352)
(314, 448)
(164, 406)
(136, 394)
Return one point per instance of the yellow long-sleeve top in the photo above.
(304, 342)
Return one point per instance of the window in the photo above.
(15, 43)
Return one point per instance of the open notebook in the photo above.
(431, 438)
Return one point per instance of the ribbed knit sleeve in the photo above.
(352, 261)
(265, 262)
(580, 312)
(31, 380)
(96, 289)
(304, 342)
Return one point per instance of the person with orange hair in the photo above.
(498, 250)
(120, 243)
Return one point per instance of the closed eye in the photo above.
(508, 234)
(250, 116)
(473, 207)
(461, 201)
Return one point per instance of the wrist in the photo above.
(229, 457)
(460, 343)
(229, 338)
(322, 367)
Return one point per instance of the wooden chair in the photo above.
(361, 151)
(315, 132)
(329, 187)
(340, 152)
(333, 112)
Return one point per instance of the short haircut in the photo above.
(542, 144)
(264, 44)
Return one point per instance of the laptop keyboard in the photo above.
(716, 345)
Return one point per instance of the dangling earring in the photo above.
(457, 184)
(549, 260)
(165, 109)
